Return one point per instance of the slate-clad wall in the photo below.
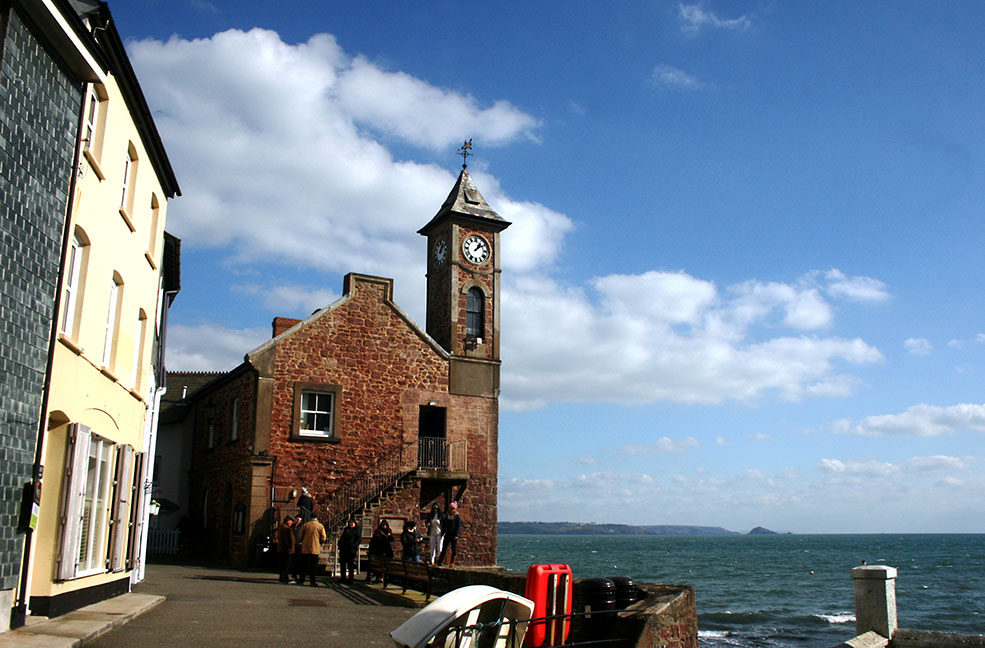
(39, 105)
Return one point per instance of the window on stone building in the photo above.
(315, 408)
(475, 311)
(234, 420)
(96, 505)
(239, 519)
(113, 321)
(74, 281)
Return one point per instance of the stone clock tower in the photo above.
(464, 267)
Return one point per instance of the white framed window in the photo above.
(129, 186)
(152, 233)
(317, 410)
(72, 293)
(112, 321)
(88, 501)
(234, 422)
(95, 120)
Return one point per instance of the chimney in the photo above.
(281, 324)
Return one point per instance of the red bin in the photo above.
(550, 587)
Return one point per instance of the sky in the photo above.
(744, 281)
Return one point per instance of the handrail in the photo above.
(361, 489)
(428, 453)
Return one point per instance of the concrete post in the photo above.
(875, 599)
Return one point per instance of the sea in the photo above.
(782, 591)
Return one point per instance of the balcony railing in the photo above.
(434, 453)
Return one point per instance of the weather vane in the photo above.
(465, 151)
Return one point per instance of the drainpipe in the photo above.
(21, 606)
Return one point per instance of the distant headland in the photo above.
(589, 528)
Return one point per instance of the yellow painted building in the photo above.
(119, 276)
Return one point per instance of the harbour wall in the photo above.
(666, 616)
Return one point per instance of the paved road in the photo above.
(214, 607)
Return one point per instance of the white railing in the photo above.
(162, 541)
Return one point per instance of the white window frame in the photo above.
(109, 344)
(308, 408)
(72, 285)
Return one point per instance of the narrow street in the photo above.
(216, 607)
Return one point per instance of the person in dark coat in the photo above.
(451, 529)
(296, 560)
(348, 549)
(411, 541)
(285, 547)
(306, 505)
(380, 546)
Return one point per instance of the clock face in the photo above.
(476, 249)
(440, 251)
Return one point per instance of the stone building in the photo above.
(81, 156)
(376, 417)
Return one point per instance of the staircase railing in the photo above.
(427, 453)
(367, 485)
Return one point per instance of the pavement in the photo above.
(184, 606)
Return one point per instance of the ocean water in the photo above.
(782, 591)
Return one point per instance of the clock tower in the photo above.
(464, 267)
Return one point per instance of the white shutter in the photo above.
(73, 509)
(136, 510)
(122, 487)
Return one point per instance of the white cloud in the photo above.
(761, 436)
(868, 468)
(289, 298)
(859, 289)
(399, 104)
(918, 346)
(588, 461)
(208, 347)
(694, 17)
(275, 147)
(668, 76)
(919, 420)
(663, 444)
(306, 183)
(666, 336)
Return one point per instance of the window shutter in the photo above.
(137, 497)
(122, 488)
(76, 468)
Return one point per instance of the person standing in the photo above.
(312, 535)
(452, 527)
(296, 558)
(306, 505)
(411, 541)
(435, 522)
(285, 547)
(380, 546)
(349, 542)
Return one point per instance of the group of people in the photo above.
(442, 532)
(298, 547)
(299, 540)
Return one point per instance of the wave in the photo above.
(838, 617)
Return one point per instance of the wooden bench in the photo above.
(414, 575)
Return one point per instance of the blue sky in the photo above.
(744, 281)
